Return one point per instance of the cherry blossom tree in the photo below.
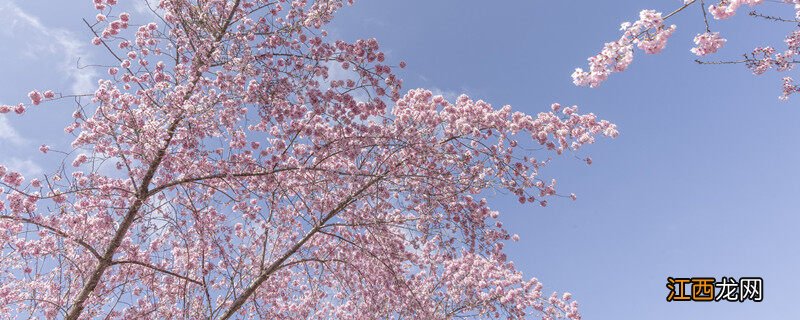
(650, 34)
(222, 169)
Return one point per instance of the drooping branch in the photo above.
(275, 265)
(55, 231)
(162, 270)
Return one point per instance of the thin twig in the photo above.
(719, 62)
(679, 9)
(773, 18)
(705, 15)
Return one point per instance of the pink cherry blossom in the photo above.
(36, 97)
(648, 33)
(13, 178)
(226, 171)
(727, 8)
(707, 43)
(79, 160)
(789, 88)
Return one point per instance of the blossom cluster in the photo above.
(707, 43)
(727, 8)
(649, 33)
(617, 56)
(36, 97)
(224, 170)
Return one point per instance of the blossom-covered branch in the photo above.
(650, 34)
(223, 170)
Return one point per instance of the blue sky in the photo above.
(703, 180)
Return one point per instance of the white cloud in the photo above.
(8, 133)
(146, 7)
(141, 7)
(49, 41)
(448, 95)
(27, 167)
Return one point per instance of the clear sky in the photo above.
(703, 180)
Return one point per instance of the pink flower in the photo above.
(5, 109)
(36, 97)
(20, 109)
(13, 178)
(788, 88)
(707, 43)
(44, 148)
(727, 8)
(616, 56)
(81, 159)
(49, 94)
